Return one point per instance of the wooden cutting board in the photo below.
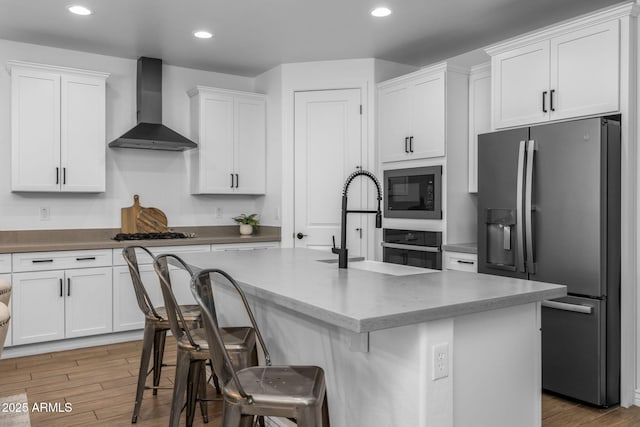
(151, 220)
(137, 219)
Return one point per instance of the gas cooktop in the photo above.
(152, 236)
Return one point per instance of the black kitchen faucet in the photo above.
(342, 250)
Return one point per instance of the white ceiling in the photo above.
(252, 36)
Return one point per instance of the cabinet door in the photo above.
(88, 305)
(35, 130)
(38, 307)
(126, 313)
(585, 71)
(216, 144)
(8, 339)
(250, 145)
(479, 118)
(82, 143)
(520, 78)
(427, 113)
(393, 128)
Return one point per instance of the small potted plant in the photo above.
(247, 222)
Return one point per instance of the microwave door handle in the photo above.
(519, 216)
(528, 206)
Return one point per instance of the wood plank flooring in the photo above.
(100, 383)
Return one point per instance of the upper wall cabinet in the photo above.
(57, 128)
(568, 71)
(411, 112)
(479, 116)
(230, 128)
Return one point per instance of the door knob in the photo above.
(300, 236)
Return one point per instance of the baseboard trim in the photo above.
(636, 399)
(70, 344)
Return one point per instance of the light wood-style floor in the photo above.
(100, 383)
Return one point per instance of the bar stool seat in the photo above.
(289, 389)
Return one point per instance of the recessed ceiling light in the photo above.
(79, 10)
(202, 34)
(380, 12)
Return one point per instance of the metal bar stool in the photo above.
(297, 392)
(193, 348)
(156, 325)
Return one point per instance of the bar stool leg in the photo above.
(158, 353)
(325, 411)
(203, 391)
(183, 361)
(147, 346)
(193, 385)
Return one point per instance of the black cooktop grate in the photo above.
(151, 236)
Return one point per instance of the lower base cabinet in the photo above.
(461, 261)
(52, 305)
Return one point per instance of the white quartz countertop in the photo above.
(362, 301)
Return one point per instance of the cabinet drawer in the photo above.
(244, 246)
(461, 261)
(62, 260)
(157, 250)
(5, 263)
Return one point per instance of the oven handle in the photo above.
(411, 247)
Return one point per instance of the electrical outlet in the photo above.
(440, 368)
(44, 214)
(277, 214)
(218, 212)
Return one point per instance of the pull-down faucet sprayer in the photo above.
(342, 250)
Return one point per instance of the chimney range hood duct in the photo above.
(150, 133)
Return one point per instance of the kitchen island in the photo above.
(414, 348)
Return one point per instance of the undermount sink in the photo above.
(381, 267)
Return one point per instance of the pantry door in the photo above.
(328, 147)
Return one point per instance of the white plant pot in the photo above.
(246, 229)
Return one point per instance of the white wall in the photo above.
(160, 178)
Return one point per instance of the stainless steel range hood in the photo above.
(150, 133)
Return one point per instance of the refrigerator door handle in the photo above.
(576, 308)
(519, 217)
(528, 206)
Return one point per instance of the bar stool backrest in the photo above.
(179, 328)
(142, 297)
(202, 290)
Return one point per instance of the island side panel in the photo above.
(390, 385)
(497, 381)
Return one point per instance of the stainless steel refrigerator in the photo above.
(549, 210)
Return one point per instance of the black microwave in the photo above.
(414, 193)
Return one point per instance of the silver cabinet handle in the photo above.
(519, 217)
(465, 262)
(576, 308)
(528, 206)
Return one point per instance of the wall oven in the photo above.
(416, 248)
(413, 193)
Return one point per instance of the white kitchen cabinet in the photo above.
(411, 111)
(569, 71)
(61, 294)
(479, 116)
(57, 128)
(56, 304)
(230, 128)
(461, 261)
